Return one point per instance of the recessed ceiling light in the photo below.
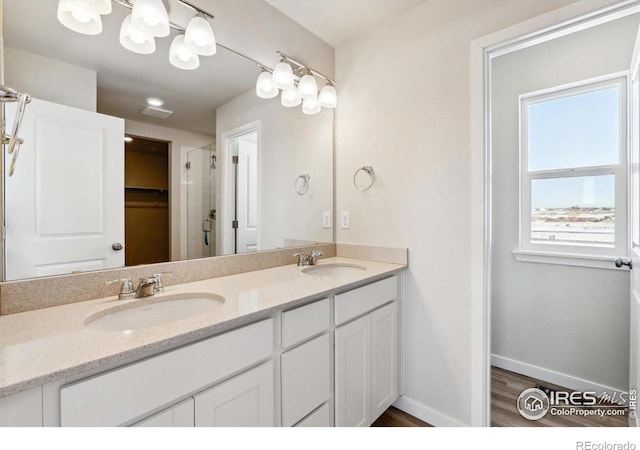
(154, 101)
(128, 139)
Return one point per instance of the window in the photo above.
(573, 152)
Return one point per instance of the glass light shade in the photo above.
(289, 98)
(307, 87)
(264, 89)
(79, 16)
(328, 97)
(282, 77)
(135, 40)
(151, 17)
(199, 35)
(182, 56)
(311, 106)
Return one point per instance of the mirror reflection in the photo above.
(130, 160)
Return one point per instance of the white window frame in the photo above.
(564, 253)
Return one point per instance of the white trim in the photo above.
(571, 18)
(568, 259)
(426, 414)
(551, 376)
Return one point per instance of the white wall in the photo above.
(404, 109)
(51, 80)
(564, 319)
(177, 175)
(290, 144)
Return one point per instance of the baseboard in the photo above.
(426, 414)
(550, 376)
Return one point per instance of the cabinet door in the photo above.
(180, 415)
(245, 400)
(321, 417)
(353, 373)
(384, 358)
(306, 379)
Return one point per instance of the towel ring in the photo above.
(368, 170)
(302, 188)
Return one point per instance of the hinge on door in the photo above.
(234, 224)
(188, 165)
(234, 160)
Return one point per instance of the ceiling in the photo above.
(338, 21)
(126, 79)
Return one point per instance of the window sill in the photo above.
(567, 259)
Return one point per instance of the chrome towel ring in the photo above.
(372, 178)
(302, 184)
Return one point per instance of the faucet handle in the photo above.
(158, 285)
(316, 254)
(126, 291)
(302, 258)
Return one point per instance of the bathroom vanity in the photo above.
(286, 346)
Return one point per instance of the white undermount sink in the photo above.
(154, 311)
(333, 269)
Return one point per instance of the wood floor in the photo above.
(505, 388)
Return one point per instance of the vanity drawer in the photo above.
(123, 394)
(352, 304)
(306, 379)
(301, 323)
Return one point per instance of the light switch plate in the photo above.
(326, 219)
(344, 220)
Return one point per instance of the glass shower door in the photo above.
(201, 202)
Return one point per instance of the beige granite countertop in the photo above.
(44, 345)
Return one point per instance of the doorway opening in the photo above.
(561, 317)
(146, 212)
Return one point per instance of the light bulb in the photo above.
(311, 106)
(150, 17)
(81, 17)
(199, 36)
(135, 40)
(328, 97)
(182, 56)
(289, 98)
(282, 77)
(307, 87)
(264, 89)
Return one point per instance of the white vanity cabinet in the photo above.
(366, 353)
(332, 361)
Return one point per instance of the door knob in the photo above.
(117, 246)
(623, 262)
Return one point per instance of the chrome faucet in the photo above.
(308, 260)
(148, 286)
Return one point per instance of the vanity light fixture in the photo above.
(183, 56)
(298, 84)
(148, 19)
(264, 88)
(83, 16)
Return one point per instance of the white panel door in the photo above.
(384, 359)
(180, 415)
(634, 226)
(247, 197)
(64, 204)
(353, 373)
(245, 400)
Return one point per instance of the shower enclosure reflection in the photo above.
(201, 202)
